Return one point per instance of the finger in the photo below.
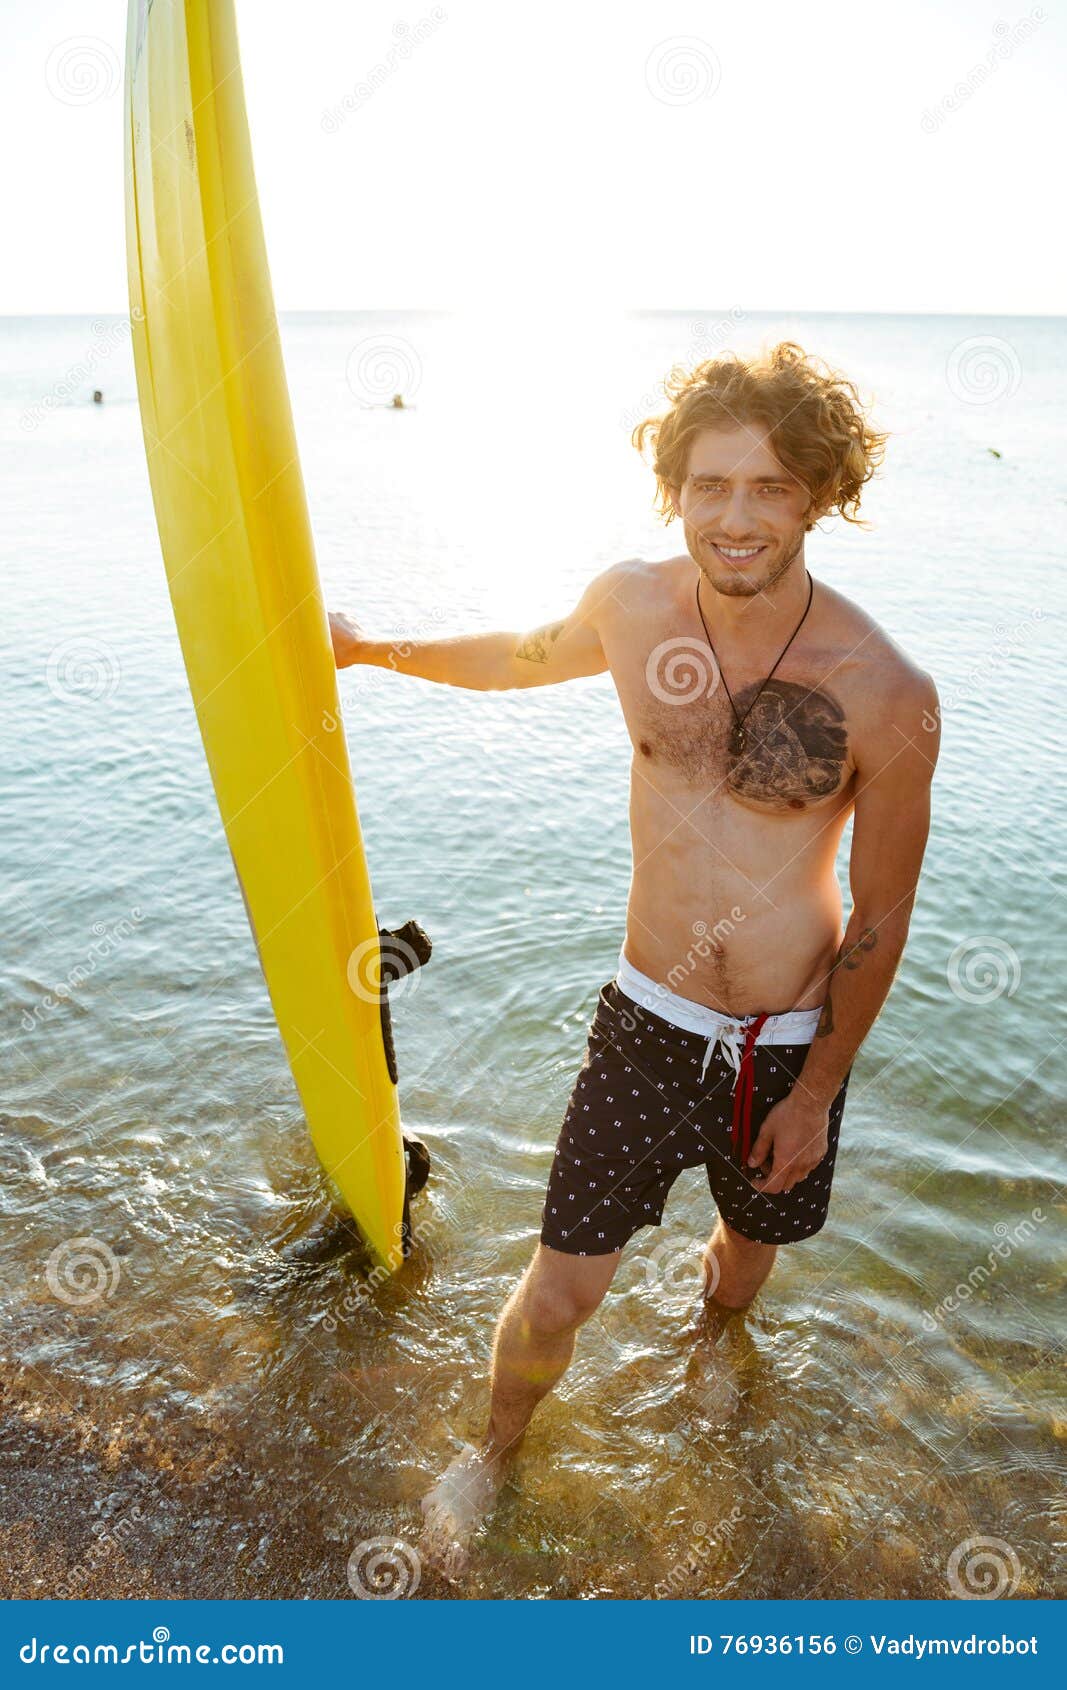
(783, 1180)
(760, 1150)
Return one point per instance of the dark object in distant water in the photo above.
(396, 403)
(994, 451)
(98, 397)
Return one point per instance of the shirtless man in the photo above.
(764, 709)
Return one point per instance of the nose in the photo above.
(733, 521)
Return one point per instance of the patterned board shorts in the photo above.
(640, 1113)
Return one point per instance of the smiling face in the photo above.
(745, 516)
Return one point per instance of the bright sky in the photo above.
(656, 154)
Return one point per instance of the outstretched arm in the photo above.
(558, 651)
(890, 827)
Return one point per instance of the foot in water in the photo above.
(715, 1393)
(456, 1507)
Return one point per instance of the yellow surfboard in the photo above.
(233, 523)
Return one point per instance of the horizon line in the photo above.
(626, 311)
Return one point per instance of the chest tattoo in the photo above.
(795, 744)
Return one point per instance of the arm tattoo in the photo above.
(537, 646)
(847, 957)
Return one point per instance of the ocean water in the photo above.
(201, 1396)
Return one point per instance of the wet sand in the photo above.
(153, 1507)
(159, 1504)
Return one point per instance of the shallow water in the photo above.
(206, 1398)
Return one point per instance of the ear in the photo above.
(675, 496)
(815, 513)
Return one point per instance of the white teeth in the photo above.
(739, 551)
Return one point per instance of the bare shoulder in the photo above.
(892, 698)
(634, 587)
(867, 653)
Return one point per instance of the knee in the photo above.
(746, 1246)
(548, 1310)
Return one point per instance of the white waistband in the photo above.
(792, 1027)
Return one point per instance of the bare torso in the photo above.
(734, 900)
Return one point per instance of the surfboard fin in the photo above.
(403, 950)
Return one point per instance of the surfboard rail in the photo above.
(239, 555)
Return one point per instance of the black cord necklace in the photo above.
(738, 737)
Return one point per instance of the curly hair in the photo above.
(814, 417)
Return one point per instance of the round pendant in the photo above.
(737, 740)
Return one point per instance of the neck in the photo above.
(755, 619)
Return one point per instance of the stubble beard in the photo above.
(734, 583)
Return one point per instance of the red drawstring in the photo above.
(741, 1135)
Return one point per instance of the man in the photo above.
(764, 709)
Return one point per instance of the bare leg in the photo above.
(531, 1351)
(734, 1268)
